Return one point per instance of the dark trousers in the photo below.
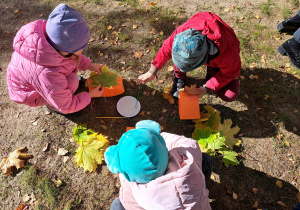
(228, 93)
(296, 21)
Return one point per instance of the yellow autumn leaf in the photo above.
(167, 95)
(229, 133)
(109, 27)
(15, 159)
(134, 27)
(161, 33)
(257, 16)
(263, 59)
(91, 151)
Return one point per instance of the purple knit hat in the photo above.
(67, 29)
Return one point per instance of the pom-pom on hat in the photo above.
(189, 50)
(67, 29)
(141, 154)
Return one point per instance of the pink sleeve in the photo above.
(84, 62)
(58, 92)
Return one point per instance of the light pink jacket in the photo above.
(38, 75)
(182, 186)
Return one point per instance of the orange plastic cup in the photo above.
(188, 106)
(111, 91)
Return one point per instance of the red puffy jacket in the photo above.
(228, 61)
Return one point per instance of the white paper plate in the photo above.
(128, 106)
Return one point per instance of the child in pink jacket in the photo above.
(47, 56)
(159, 171)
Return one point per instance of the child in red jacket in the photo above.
(203, 39)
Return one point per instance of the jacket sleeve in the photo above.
(84, 62)
(165, 52)
(58, 91)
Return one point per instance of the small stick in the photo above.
(111, 117)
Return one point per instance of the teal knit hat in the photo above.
(189, 50)
(141, 154)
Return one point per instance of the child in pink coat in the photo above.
(47, 56)
(159, 170)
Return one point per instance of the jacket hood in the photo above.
(31, 43)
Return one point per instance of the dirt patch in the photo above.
(267, 110)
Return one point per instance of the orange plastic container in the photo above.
(188, 106)
(129, 128)
(111, 91)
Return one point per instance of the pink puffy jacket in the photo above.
(182, 186)
(38, 75)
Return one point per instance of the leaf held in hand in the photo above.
(193, 90)
(106, 79)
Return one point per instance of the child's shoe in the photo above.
(177, 85)
(287, 26)
(291, 48)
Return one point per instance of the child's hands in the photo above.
(96, 92)
(95, 67)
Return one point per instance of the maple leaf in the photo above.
(229, 133)
(90, 153)
(213, 121)
(229, 157)
(193, 90)
(209, 139)
(91, 148)
(15, 159)
(106, 79)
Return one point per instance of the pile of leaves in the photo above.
(106, 79)
(216, 138)
(91, 147)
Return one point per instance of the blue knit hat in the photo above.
(189, 50)
(141, 154)
(67, 29)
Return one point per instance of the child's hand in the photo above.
(147, 77)
(204, 92)
(96, 92)
(95, 67)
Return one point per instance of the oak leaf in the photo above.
(15, 159)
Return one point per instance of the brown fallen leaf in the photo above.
(193, 90)
(255, 190)
(229, 190)
(134, 27)
(151, 4)
(255, 205)
(15, 159)
(167, 95)
(142, 113)
(234, 195)
(22, 207)
(279, 184)
(103, 127)
(62, 152)
(281, 203)
(138, 55)
(153, 92)
(170, 69)
(164, 111)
